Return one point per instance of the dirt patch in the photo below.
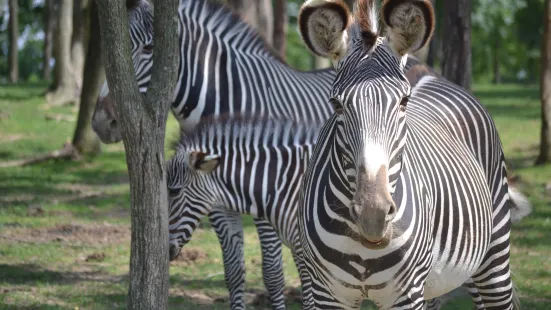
(96, 257)
(74, 234)
(189, 256)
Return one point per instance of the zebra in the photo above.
(225, 68)
(212, 22)
(249, 165)
(400, 207)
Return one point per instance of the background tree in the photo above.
(85, 139)
(143, 121)
(65, 90)
(49, 28)
(77, 43)
(545, 84)
(281, 21)
(456, 42)
(13, 33)
(258, 14)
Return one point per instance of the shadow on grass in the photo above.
(20, 274)
(22, 92)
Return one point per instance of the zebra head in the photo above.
(370, 95)
(140, 18)
(189, 202)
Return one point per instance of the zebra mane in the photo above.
(249, 131)
(229, 21)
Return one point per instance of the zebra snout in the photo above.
(104, 121)
(173, 251)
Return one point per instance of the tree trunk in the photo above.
(280, 26)
(77, 44)
(49, 28)
(496, 63)
(65, 88)
(545, 85)
(85, 139)
(258, 14)
(13, 36)
(456, 41)
(143, 121)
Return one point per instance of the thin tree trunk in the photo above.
(545, 85)
(65, 91)
(265, 20)
(85, 139)
(13, 36)
(258, 14)
(281, 21)
(456, 41)
(496, 63)
(49, 28)
(143, 121)
(77, 44)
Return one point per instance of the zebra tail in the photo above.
(520, 206)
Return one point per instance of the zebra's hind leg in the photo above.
(492, 288)
(229, 229)
(272, 262)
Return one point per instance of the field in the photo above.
(64, 225)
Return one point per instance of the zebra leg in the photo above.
(229, 229)
(493, 288)
(305, 281)
(272, 262)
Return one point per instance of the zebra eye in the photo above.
(148, 49)
(404, 104)
(336, 105)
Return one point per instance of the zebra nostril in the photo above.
(391, 213)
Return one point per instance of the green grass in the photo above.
(57, 216)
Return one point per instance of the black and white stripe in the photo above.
(406, 195)
(227, 69)
(246, 166)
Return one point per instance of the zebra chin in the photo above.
(374, 232)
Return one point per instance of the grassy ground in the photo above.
(64, 226)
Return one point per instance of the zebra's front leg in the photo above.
(229, 229)
(272, 262)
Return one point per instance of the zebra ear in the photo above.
(202, 162)
(410, 24)
(323, 24)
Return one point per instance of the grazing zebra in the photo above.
(400, 207)
(249, 166)
(225, 68)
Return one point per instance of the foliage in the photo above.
(65, 212)
(511, 31)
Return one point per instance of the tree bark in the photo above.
(77, 44)
(65, 88)
(258, 14)
(456, 42)
(85, 139)
(13, 36)
(143, 121)
(281, 22)
(49, 26)
(545, 88)
(496, 63)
